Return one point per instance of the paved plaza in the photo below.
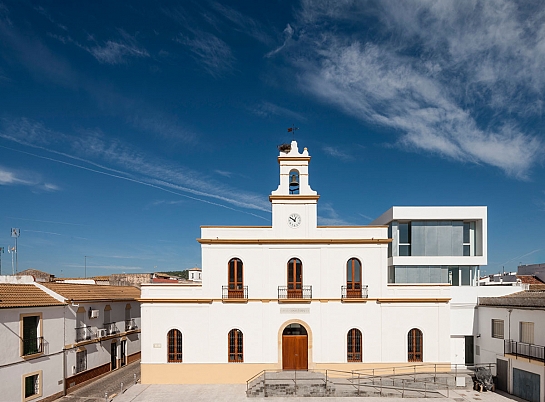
(237, 393)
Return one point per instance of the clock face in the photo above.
(294, 220)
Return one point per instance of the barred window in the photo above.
(81, 361)
(497, 329)
(414, 340)
(32, 386)
(353, 345)
(235, 346)
(527, 332)
(174, 346)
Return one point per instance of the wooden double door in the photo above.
(295, 348)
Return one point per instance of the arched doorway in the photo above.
(294, 347)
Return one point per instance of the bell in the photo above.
(294, 180)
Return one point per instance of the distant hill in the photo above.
(179, 274)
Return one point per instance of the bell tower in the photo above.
(294, 203)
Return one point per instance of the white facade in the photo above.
(506, 345)
(260, 303)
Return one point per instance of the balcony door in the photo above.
(353, 278)
(236, 285)
(295, 279)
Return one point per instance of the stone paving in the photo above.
(110, 383)
(237, 393)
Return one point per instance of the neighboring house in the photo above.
(511, 333)
(101, 328)
(39, 276)
(195, 274)
(296, 295)
(31, 356)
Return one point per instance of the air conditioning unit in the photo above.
(101, 333)
(93, 313)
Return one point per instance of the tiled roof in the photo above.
(530, 279)
(80, 292)
(20, 295)
(528, 298)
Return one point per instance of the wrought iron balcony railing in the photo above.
(348, 293)
(239, 293)
(535, 352)
(303, 292)
(83, 334)
(111, 328)
(32, 346)
(130, 325)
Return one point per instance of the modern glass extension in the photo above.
(453, 275)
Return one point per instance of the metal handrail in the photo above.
(305, 292)
(111, 328)
(240, 293)
(362, 293)
(529, 350)
(130, 324)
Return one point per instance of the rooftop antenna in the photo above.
(292, 131)
(15, 232)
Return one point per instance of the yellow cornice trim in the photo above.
(415, 300)
(293, 158)
(235, 227)
(293, 197)
(298, 301)
(294, 241)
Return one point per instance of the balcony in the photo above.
(302, 293)
(533, 352)
(33, 346)
(111, 328)
(238, 294)
(130, 325)
(83, 334)
(349, 293)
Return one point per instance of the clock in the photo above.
(294, 220)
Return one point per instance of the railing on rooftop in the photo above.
(347, 293)
(535, 352)
(130, 324)
(304, 292)
(240, 293)
(83, 333)
(32, 346)
(111, 328)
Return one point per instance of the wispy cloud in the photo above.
(243, 22)
(327, 215)
(209, 50)
(96, 153)
(10, 177)
(267, 109)
(447, 76)
(224, 173)
(287, 33)
(335, 152)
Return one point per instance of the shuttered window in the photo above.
(527, 332)
(497, 329)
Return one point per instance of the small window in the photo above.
(32, 386)
(414, 338)
(404, 239)
(32, 342)
(235, 346)
(497, 329)
(174, 346)
(527, 332)
(353, 345)
(81, 361)
(236, 284)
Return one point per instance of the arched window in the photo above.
(353, 345)
(236, 285)
(295, 278)
(353, 278)
(414, 338)
(294, 181)
(174, 346)
(235, 346)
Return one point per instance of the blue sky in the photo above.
(124, 126)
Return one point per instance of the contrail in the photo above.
(132, 180)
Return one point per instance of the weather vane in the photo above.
(292, 131)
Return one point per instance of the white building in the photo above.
(195, 274)
(511, 333)
(31, 357)
(56, 336)
(296, 295)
